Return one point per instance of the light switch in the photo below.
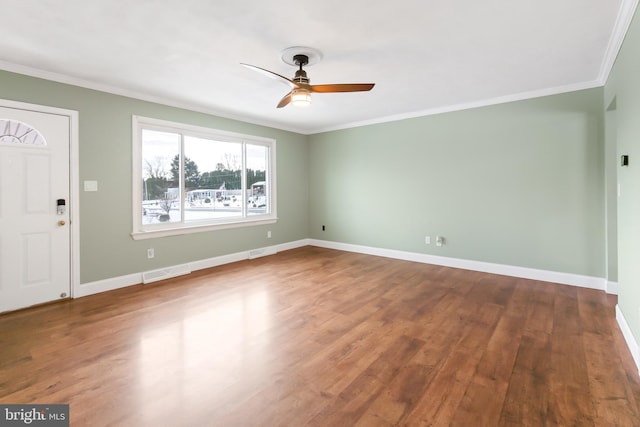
(91, 186)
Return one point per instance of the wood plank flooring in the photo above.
(316, 337)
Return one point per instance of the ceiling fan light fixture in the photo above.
(301, 97)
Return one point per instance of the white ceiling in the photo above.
(425, 56)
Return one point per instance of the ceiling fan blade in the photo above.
(342, 87)
(271, 74)
(286, 100)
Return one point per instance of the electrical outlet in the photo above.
(439, 240)
(427, 240)
(269, 234)
(151, 253)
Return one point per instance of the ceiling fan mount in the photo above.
(300, 60)
(289, 55)
(301, 90)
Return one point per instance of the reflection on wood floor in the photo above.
(320, 337)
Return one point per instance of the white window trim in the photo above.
(173, 229)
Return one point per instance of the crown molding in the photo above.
(140, 96)
(623, 21)
(467, 106)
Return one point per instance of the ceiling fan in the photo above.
(301, 90)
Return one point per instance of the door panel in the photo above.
(36, 170)
(35, 241)
(36, 259)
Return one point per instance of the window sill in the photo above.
(166, 232)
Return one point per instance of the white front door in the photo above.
(35, 235)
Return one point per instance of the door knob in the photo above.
(61, 223)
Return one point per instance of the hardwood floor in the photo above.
(316, 337)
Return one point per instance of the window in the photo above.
(189, 179)
(15, 132)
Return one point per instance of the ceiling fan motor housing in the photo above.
(301, 77)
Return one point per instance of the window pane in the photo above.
(160, 178)
(257, 161)
(213, 171)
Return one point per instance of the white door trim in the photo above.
(74, 181)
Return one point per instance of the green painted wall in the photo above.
(106, 247)
(518, 184)
(623, 91)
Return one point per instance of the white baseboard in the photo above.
(486, 267)
(165, 273)
(505, 270)
(259, 253)
(105, 285)
(98, 286)
(628, 337)
(501, 269)
(219, 260)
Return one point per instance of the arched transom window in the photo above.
(15, 132)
